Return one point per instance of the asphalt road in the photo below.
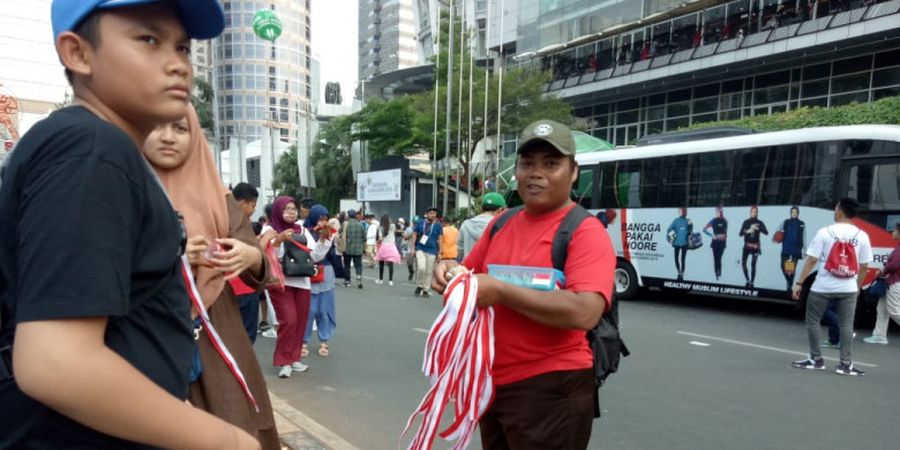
(705, 373)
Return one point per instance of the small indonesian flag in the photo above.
(541, 279)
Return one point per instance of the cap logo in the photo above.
(543, 130)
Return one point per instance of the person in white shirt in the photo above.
(831, 287)
(371, 239)
(292, 304)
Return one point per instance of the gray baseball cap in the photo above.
(551, 132)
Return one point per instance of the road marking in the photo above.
(699, 344)
(307, 424)
(766, 347)
(421, 330)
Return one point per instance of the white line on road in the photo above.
(699, 344)
(766, 347)
(421, 330)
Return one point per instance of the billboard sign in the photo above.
(379, 186)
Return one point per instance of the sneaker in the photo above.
(849, 370)
(379, 282)
(346, 284)
(809, 364)
(418, 291)
(298, 367)
(359, 285)
(390, 283)
(270, 333)
(263, 326)
(410, 277)
(285, 372)
(876, 340)
(425, 293)
(826, 344)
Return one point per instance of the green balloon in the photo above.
(266, 24)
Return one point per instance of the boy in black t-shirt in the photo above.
(96, 332)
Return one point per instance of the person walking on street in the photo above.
(371, 239)
(95, 312)
(543, 367)
(321, 310)
(889, 303)
(449, 240)
(292, 303)
(247, 298)
(426, 236)
(354, 237)
(472, 229)
(842, 253)
(387, 249)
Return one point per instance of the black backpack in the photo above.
(604, 339)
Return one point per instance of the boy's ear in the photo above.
(75, 53)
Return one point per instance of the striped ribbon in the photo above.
(459, 354)
(214, 337)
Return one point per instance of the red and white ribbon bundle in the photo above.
(214, 337)
(459, 354)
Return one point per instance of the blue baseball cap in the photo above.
(202, 19)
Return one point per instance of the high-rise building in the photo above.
(201, 59)
(387, 37)
(263, 89)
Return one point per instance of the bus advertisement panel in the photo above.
(736, 251)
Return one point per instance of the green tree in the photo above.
(331, 162)
(286, 179)
(883, 111)
(203, 103)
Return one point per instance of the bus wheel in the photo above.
(626, 280)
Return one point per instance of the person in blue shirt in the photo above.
(426, 235)
(678, 233)
(719, 235)
(793, 236)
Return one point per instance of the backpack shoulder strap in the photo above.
(508, 214)
(570, 223)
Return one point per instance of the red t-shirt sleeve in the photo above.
(591, 261)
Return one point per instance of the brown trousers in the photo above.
(550, 411)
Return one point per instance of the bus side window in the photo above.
(750, 167)
(788, 175)
(675, 176)
(711, 179)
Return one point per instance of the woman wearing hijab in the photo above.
(321, 309)
(387, 250)
(221, 245)
(291, 303)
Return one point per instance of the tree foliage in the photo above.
(884, 111)
(286, 179)
(203, 103)
(331, 162)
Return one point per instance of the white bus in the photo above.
(732, 216)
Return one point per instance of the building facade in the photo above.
(632, 68)
(263, 89)
(32, 81)
(387, 37)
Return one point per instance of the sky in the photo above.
(334, 44)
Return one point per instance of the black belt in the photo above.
(6, 369)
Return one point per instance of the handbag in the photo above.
(319, 276)
(297, 260)
(695, 241)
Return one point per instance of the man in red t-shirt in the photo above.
(543, 367)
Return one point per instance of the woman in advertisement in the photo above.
(678, 233)
(751, 229)
(717, 229)
(791, 234)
